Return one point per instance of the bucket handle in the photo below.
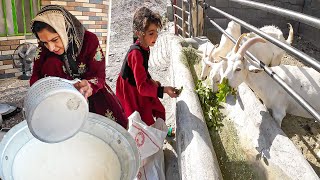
(3, 132)
(74, 81)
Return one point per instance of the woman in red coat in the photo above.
(136, 90)
(67, 50)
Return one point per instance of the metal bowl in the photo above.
(99, 126)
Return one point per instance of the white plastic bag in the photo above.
(149, 140)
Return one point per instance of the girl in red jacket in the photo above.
(136, 90)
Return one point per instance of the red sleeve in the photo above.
(36, 70)
(95, 62)
(144, 85)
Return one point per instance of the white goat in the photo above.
(217, 70)
(303, 80)
(273, 56)
(225, 46)
(205, 49)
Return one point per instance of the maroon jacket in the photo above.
(142, 95)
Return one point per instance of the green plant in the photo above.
(184, 43)
(210, 106)
(190, 56)
(179, 90)
(224, 90)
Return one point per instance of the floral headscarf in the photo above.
(69, 29)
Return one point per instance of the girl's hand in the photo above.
(171, 91)
(84, 88)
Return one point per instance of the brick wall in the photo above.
(93, 14)
(7, 47)
(260, 18)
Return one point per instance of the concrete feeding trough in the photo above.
(258, 133)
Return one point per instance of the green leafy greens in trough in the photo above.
(179, 90)
(210, 106)
(210, 102)
(224, 90)
(190, 56)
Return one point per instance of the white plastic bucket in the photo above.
(54, 109)
(99, 126)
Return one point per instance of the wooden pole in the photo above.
(191, 32)
(183, 19)
(174, 17)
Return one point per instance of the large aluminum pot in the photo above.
(99, 126)
(1, 133)
(54, 109)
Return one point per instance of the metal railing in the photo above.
(306, 19)
(304, 57)
(16, 16)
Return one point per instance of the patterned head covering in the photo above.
(69, 29)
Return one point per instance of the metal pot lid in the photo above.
(6, 108)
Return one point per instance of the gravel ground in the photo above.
(304, 133)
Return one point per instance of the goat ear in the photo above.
(224, 58)
(254, 69)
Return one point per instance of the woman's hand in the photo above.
(84, 88)
(171, 91)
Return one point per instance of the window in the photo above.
(15, 16)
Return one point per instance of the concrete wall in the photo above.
(93, 14)
(260, 18)
(312, 8)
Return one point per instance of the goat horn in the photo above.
(290, 36)
(236, 47)
(249, 43)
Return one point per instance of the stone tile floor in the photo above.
(13, 91)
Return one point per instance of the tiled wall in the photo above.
(7, 48)
(93, 14)
(311, 7)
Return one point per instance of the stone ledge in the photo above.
(196, 155)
